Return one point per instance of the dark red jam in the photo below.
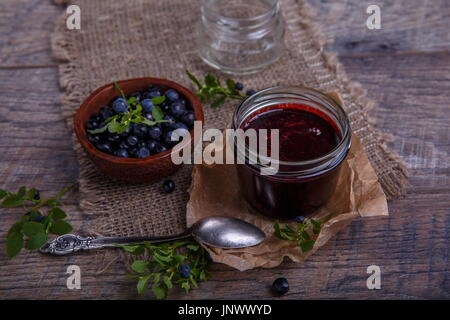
(305, 134)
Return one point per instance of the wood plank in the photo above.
(25, 28)
(407, 25)
(410, 246)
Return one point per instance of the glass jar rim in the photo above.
(325, 99)
(263, 16)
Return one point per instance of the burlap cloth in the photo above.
(136, 38)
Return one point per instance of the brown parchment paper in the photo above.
(215, 192)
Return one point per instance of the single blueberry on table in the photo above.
(122, 153)
(280, 286)
(147, 105)
(37, 195)
(251, 92)
(132, 140)
(172, 95)
(140, 130)
(177, 109)
(105, 147)
(120, 105)
(155, 132)
(188, 119)
(300, 219)
(143, 152)
(168, 186)
(239, 86)
(184, 271)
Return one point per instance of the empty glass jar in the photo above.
(240, 36)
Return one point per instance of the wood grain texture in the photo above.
(411, 246)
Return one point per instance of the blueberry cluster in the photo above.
(140, 139)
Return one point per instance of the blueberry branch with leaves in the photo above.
(180, 263)
(43, 216)
(213, 91)
(301, 231)
(131, 111)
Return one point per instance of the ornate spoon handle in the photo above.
(70, 243)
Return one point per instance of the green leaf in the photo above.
(231, 85)
(3, 193)
(22, 192)
(58, 214)
(306, 245)
(193, 247)
(210, 80)
(32, 228)
(142, 284)
(113, 126)
(219, 101)
(31, 193)
(167, 282)
(194, 79)
(99, 130)
(158, 100)
(14, 243)
(157, 113)
(12, 201)
(52, 203)
(139, 266)
(36, 241)
(159, 292)
(185, 285)
(60, 227)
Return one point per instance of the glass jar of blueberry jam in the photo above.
(314, 140)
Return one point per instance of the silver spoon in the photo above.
(220, 232)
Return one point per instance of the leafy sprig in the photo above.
(212, 90)
(43, 216)
(303, 233)
(161, 269)
(120, 122)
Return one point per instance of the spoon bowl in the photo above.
(227, 233)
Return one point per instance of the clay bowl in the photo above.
(130, 169)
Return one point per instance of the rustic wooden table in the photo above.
(405, 68)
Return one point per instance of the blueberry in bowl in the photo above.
(127, 127)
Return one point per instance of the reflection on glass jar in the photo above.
(314, 140)
(240, 36)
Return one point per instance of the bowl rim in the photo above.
(81, 133)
